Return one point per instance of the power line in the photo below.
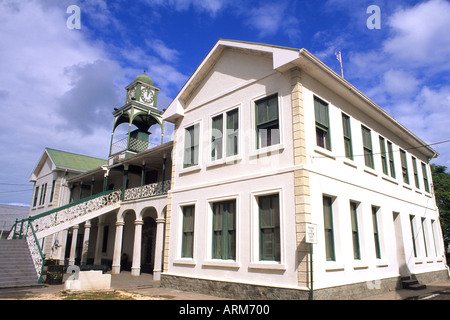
(16, 191)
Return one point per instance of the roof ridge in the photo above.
(261, 44)
(77, 154)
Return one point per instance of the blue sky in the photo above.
(58, 86)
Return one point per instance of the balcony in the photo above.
(147, 191)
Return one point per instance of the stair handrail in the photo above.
(13, 234)
(35, 250)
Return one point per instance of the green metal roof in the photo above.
(75, 161)
(144, 78)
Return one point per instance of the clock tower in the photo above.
(139, 110)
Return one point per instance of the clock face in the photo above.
(147, 95)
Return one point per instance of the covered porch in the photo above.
(130, 236)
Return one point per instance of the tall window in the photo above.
(383, 156)
(376, 234)
(269, 224)
(36, 192)
(217, 138)
(52, 191)
(424, 236)
(404, 167)
(425, 177)
(416, 174)
(347, 136)
(391, 159)
(267, 122)
(43, 192)
(224, 230)
(328, 227)
(191, 145)
(367, 145)
(355, 232)
(322, 124)
(187, 245)
(413, 235)
(232, 132)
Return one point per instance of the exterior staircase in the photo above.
(411, 284)
(17, 269)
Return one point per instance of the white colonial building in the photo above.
(268, 141)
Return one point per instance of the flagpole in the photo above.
(339, 57)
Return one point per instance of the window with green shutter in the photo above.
(224, 230)
(404, 167)
(413, 235)
(233, 132)
(367, 146)
(376, 234)
(425, 177)
(328, 228)
(391, 159)
(355, 230)
(36, 192)
(347, 136)
(416, 173)
(267, 122)
(323, 135)
(269, 224)
(383, 154)
(187, 245)
(191, 145)
(217, 137)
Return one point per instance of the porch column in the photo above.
(74, 245)
(84, 253)
(136, 266)
(117, 248)
(157, 268)
(99, 242)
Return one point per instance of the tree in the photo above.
(441, 185)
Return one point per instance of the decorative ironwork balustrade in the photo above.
(132, 144)
(149, 190)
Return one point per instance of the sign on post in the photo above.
(311, 233)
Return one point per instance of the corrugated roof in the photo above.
(75, 161)
(9, 214)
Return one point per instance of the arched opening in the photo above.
(127, 241)
(148, 241)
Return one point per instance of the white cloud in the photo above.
(421, 35)
(400, 83)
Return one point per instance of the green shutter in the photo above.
(391, 160)
(217, 138)
(383, 156)
(404, 167)
(347, 136)
(367, 145)
(267, 122)
(269, 221)
(355, 231)
(425, 177)
(232, 132)
(328, 228)
(224, 226)
(416, 173)
(187, 245)
(375, 232)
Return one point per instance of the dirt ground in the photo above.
(92, 295)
